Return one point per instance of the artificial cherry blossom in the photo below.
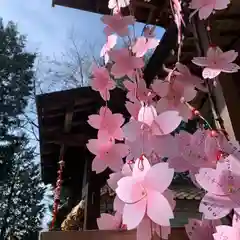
(111, 42)
(133, 108)
(228, 233)
(206, 7)
(109, 222)
(143, 44)
(125, 63)
(117, 24)
(137, 91)
(142, 194)
(184, 75)
(199, 230)
(102, 82)
(222, 185)
(108, 154)
(173, 95)
(143, 200)
(108, 122)
(216, 62)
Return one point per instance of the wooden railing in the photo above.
(177, 234)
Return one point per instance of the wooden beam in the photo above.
(68, 139)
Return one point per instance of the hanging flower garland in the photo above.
(134, 150)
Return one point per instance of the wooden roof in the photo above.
(63, 122)
(153, 12)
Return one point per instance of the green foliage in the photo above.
(21, 195)
(21, 190)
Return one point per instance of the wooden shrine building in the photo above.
(63, 126)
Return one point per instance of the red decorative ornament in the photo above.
(57, 193)
(220, 155)
(213, 133)
(195, 112)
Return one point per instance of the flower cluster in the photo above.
(135, 150)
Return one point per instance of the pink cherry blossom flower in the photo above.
(173, 96)
(147, 114)
(200, 149)
(142, 194)
(108, 154)
(112, 4)
(115, 177)
(184, 75)
(227, 232)
(142, 145)
(143, 44)
(102, 82)
(137, 91)
(222, 185)
(109, 122)
(111, 42)
(194, 152)
(151, 124)
(117, 24)
(125, 63)
(109, 222)
(133, 108)
(181, 165)
(206, 7)
(159, 124)
(199, 230)
(216, 62)
(165, 146)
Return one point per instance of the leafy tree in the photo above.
(21, 191)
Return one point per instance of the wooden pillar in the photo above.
(91, 194)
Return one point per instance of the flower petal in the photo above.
(158, 208)
(129, 190)
(159, 177)
(113, 179)
(205, 11)
(210, 73)
(212, 180)
(166, 122)
(118, 205)
(225, 232)
(108, 222)
(98, 165)
(200, 61)
(215, 207)
(134, 213)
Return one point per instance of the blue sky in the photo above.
(48, 29)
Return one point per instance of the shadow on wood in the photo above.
(177, 234)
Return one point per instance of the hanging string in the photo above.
(57, 193)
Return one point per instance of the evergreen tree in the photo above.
(21, 191)
(21, 196)
(16, 85)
